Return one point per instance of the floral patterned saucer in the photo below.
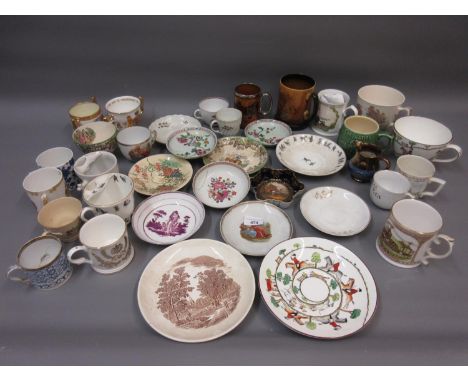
(318, 288)
(245, 152)
(191, 142)
(254, 227)
(196, 290)
(310, 155)
(335, 211)
(168, 218)
(267, 131)
(221, 184)
(160, 173)
(166, 125)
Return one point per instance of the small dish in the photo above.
(168, 218)
(221, 184)
(335, 211)
(96, 136)
(242, 151)
(166, 125)
(267, 131)
(254, 227)
(318, 288)
(196, 291)
(310, 155)
(276, 186)
(191, 142)
(160, 173)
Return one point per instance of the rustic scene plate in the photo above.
(268, 132)
(191, 142)
(166, 125)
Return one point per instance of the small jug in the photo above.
(365, 161)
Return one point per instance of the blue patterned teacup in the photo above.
(62, 159)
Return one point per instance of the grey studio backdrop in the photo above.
(47, 64)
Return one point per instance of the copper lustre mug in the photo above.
(249, 98)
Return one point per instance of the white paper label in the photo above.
(251, 220)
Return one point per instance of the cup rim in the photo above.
(123, 131)
(361, 117)
(381, 173)
(401, 158)
(412, 230)
(387, 88)
(52, 149)
(41, 169)
(302, 75)
(90, 125)
(93, 221)
(86, 117)
(231, 109)
(110, 204)
(104, 153)
(347, 97)
(213, 97)
(399, 121)
(33, 240)
(51, 204)
(242, 95)
(121, 98)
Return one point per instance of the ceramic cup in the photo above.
(135, 142)
(296, 94)
(42, 264)
(366, 161)
(252, 102)
(426, 138)
(364, 129)
(420, 173)
(62, 159)
(125, 111)
(208, 107)
(92, 165)
(43, 185)
(409, 234)
(84, 112)
(61, 218)
(227, 122)
(332, 109)
(110, 193)
(105, 241)
(388, 187)
(96, 136)
(382, 103)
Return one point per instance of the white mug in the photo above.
(227, 121)
(408, 234)
(208, 107)
(125, 111)
(388, 187)
(92, 165)
(420, 173)
(106, 243)
(43, 185)
(62, 159)
(135, 142)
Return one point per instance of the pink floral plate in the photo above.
(196, 290)
(267, 131)
(221, 184)
(168, 218)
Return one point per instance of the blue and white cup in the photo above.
(41, 263)
(62, 159)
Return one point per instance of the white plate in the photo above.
(166, 125)
(196, 290)
(335, 211)
(191, 142)
(221, 184)
(168, 218)
(318, 288)
(255, 227)
(310, 155)
(267, 131)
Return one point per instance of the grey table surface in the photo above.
(46, 64)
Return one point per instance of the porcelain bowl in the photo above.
(96, 136)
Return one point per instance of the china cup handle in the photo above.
(350, 110)
(197, 114)
(108, 118)
(431, 255)
(153, 136)
(44, 199)
(86, 210)
(388, 164)
(266, 95)
(406, 110)
(316, 105)
(93, 99)
(214, 123)
(389, 138)
(80, 260)
(17, 279)
(80, 186)
(410, 195)
(441, 184)
(142, 104)
(458, 153)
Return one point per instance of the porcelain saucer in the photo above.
(191, 142)
(166, 125)
(267, 131)
(335, 211)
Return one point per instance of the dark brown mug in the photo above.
(249, 98)
(296, 93)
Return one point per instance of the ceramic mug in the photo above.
(208, 107)
(424, 137)
(249, 98)
(366, 161)
(388, 187)
(61, 218)
(135, 142)
(332, 109)
(125, 111)
(409, 232)
(62, 159)
(381, 103)
(227, 121)
(105, 241)
(296, 94)
(84, 112)
(420, 173)
(42, 263)
(360, 128)
(110, 193)
(43, 185)
(92, 165)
